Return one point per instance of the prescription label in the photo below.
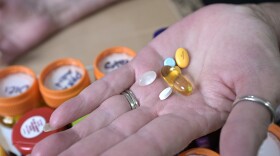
(32, 127)
(15, 84)
(63, 77)
(113, 62)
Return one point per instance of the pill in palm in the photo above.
(147, 78)
(165, 93)
(169, 62)
(174, 78)
(182, 57)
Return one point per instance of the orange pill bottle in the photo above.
(19, 93)
(111, 59)
(61, 80)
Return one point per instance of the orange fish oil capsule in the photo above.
(174, 78)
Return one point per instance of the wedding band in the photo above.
(260, 101)
(130, 97)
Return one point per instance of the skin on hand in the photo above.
(233, 53)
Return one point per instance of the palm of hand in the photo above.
(226, 47)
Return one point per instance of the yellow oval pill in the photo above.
(182, 57)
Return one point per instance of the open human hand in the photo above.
(234, 53)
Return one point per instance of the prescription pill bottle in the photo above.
(199, 152)
(19, 93)
(2, 152)
(62, 80)
(271, 145)
(29, 129)
(111, 59)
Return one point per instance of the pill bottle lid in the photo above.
(199, 152)
(110, 59)
(271, 145)
(29, 129)
(19, 91)
(2, 151)
(62, 80)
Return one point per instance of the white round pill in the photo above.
(165, 93)
(147, 78)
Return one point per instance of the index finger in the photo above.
(91, 97)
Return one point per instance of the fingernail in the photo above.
(47, 128)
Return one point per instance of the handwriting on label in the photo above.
(68, 79)
(115, 64)
(33, 126)
(15, 90)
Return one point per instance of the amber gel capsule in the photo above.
(174, 78)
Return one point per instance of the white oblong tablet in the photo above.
(147, 78)
(165, 93)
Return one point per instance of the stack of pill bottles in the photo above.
(58, 81)
(19, 93)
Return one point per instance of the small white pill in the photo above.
(165, 93)
(147, 78)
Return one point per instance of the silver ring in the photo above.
(130, 97)
(260, 101)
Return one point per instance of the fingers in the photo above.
(104, 115)
(165, 135)
(245, 129)
(107, 137)
(98, 141)
(91, 97)
(55, 143)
